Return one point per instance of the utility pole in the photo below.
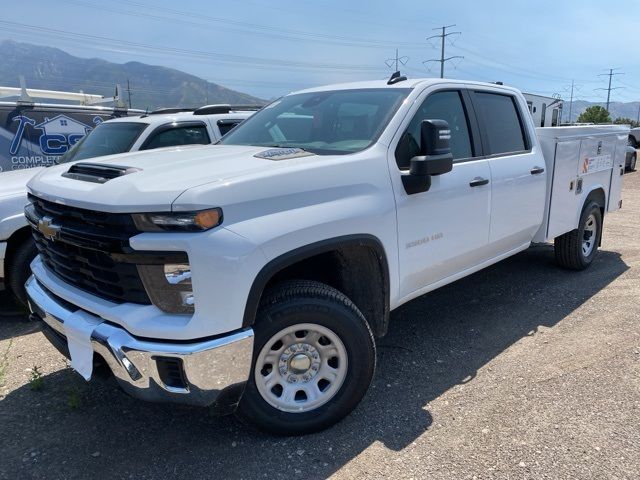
(397, 61)
(442, 37)
(610, 75)
(129, 92)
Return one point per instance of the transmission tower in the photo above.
(397, 61)
(608, 89)
(442, 37)
(573, 87)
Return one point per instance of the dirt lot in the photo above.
(519, 371)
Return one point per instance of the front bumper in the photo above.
(203, 372)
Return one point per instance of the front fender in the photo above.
(12, 215)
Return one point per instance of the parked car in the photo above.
(259, 272)
(634, 137)
(161, 128)
(630, 159)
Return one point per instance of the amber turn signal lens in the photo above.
(207, 219)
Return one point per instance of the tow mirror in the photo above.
(435, 158)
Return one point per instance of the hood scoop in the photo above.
(283, 153)
(97, 173)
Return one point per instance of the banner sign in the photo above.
(36, 137)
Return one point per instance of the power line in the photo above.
(256, 62)
(443, 36)
(610, 75)
(389, 62)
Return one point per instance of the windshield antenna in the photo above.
(396, 77)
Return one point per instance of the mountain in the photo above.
(616, 109)
(151, 86)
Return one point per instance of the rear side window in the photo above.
(179, 136)
(501, 122)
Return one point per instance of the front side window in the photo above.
(175, 136)
(106, 139)
(501, 121)
(334, 122)
(445, 105)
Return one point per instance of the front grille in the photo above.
(90, 250)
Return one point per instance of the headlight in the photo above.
(178, 221)
(169, 286)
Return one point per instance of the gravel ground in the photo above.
(519, 371)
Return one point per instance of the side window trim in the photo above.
(171, 126)
(472, 123)
(474, 126)
(483, 133)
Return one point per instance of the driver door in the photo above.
(445, 230)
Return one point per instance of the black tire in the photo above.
(568, 247)
(296, 302)
(632, 142)
(19, 270)
(632, 164)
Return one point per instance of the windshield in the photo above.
(106, 139)
(331, 122)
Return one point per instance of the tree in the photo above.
(595, 114)
(626, 121)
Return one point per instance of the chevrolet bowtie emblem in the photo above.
(48, 229)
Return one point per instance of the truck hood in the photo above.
(15, 182)
(161, 176)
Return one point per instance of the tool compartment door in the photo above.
(596, 167)
(615, 190)
(564, 200)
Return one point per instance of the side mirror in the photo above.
(435, 158)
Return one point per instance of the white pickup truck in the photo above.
(166, 127)
(258, 273)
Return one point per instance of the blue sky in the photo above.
(268, 48)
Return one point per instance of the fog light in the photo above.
(169, 286)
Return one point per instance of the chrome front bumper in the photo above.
(203, 372)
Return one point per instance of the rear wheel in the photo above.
(19, 268)
(632, 163)
(631, 142)
(577, 248)
(313, 360)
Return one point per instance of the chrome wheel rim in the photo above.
(589, 236)
(301, 368)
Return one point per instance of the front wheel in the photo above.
(632, 164)
(577, 248)
(313, 360)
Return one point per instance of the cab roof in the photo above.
(409, 83)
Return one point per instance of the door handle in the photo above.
(537, 170)
(476, 182)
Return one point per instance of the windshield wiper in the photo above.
(279, 145)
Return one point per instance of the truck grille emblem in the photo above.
(48, 229)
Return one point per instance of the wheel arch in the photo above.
(598, 195)
(16, 238)
(354, 264)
